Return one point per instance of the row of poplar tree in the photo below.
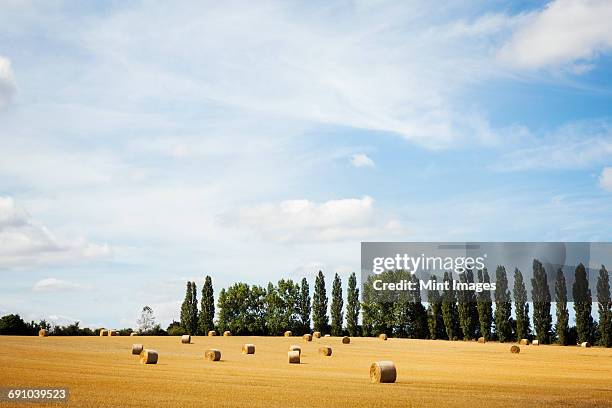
(455, 315)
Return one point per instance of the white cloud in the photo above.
(25, 242)
(565, 32)
(57, 285)
(605, 179)
(7, 82)
(361, 160)
(305, 220)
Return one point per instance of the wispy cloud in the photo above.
(361, 160)
(57, 285)
(8, 87)
(605, 179)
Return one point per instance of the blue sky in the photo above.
(145, 143)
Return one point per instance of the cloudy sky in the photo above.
(146, 143)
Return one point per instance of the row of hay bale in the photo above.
(110, 333)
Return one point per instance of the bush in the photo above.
(175, 329)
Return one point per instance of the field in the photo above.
(100, 371)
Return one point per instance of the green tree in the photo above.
(337, 317)
(450, 314)
(435, 322)
(186, 309)
(175, 329)
(417, 313)
(521, 307)
(240, 309)
(540, 294)
(225, 311)
(304, 306)
(274, 312)
(604, 306)
(288, 293)
(484, 306)
(13, 324)
(207, 308)
(352, 306)
(503, 306)
(582, 304)
(193, 310)
(468, 314)
(562, 326)
(319, 305)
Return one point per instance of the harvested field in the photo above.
(102, 372)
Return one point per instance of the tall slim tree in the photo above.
(352, 306)
(186, 309)
(450, 313)
(193, 310)
(540, 294)
(604, 306)
(485, 306)
(435, 321)
(468, 314)
(521, 307)
(207, 307)
(417, 312)
(582, 304)
(503, 306)
(319, 304)
(304, 306)
(337, 317)
(562, 326)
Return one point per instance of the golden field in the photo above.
(100, 371)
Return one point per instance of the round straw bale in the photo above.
(317, 335)
(213, 354)
(585, 344)
(148, 356)
(294, 357)
(42, 333)
(383, 372)
(288, 333)
(103, 332)
(383, 336)
(212, 333)
(248, 349)
(482, 340)
(185, 339)
(524, 342)
(535, 343)
(325, 351)
(137, 349)
(293, 347)
(515, 349)
(133, 334)
(346, 340)
(307, 337)
(227, 333)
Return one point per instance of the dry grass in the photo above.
(101, 372)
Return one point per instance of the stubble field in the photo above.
(100, 371)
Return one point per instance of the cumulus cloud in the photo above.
(565, 32)
(7, 82)
(25, 242)
(305, 220)
(361, 160)
(605, 179)
(56, 285)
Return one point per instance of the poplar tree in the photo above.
(562, 327)
(319, 304)
(521, 307)
(193, 310)
(582, 304)
(207, 308)
(304, 306)
(484, 306)
(503, 306)
(352, 306)
(450, 314)
(540, 294)
(186, 309)
(417, 313)
(604, 305)
(435, 321)
(336, 307)
(468, 312)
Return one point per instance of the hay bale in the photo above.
(535, 343)
(383, 336)
(293, 347)
(186, 339)
(212, 355)
(212, 333)
(346, 340)
(325, 351)
(515, 349)
(133, 334)
(585, 344)
(482, 340)
(288, 333)
(103, 332)
(42, 333)
(294, 357)
(137, 349)
(317, 335)
(524, 342)
(248, 348)
(383, 372)
(148, 356)
(227, 333)
(113, 333)
(307, 337)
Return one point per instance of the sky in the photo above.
(146, 143)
